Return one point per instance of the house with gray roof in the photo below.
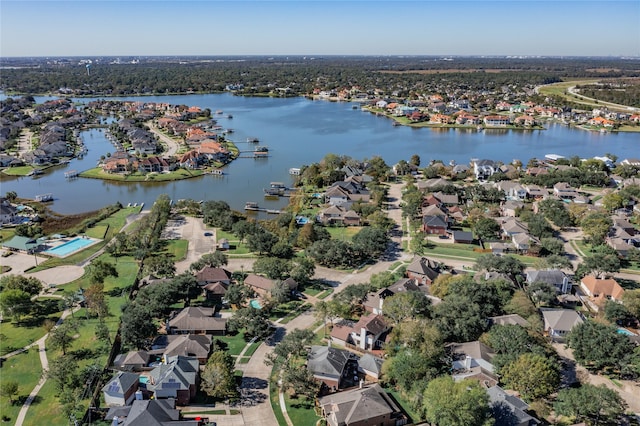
(192, 345)
(132, 361)
(559, 322)
(178, 378)
(472, 360)
(423, 270)
(121, 389)
(367, 405)
(555, 277)
(155, 412)
(508, 410)
(370, 365)
(336, 368)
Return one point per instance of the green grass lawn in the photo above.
(98, 231)
(47, 407)
(325, 293)
(25, 369)
(235, 344)
(275, 404)
(301, 411)
(18, 171)
(343, 233)
(252, 349)
(178, 248)
(29, 329)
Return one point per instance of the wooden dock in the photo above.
(71, 174)
(254, 207)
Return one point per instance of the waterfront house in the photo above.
(564, 190)
(496, 121)
(366, 405)
(8, 212)
(483, 169)
(334, 215)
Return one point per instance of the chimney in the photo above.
(363, 338)
(467, 362)
(114, 422)
(361, 383)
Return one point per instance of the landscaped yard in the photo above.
(301, 411)
(344, 233)
(30, 327)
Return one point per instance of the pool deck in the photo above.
(61, 242)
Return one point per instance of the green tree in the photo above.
(370, 242)
(485, 228)
(534, 376)
(612, 201)
(539, 227)
(161, 265)
(542, 293)
(99, 270)
(509, 342)
(30, 285)
(272, 267)
(255, 322)
(102, 332)
(508, 265)
(598, 346)
(552, 246)
(405, 305)
(631, 299)
(595, 227)
(95, 300)
(280, 292)
(237, 294)
(590, 403)
(15, 303)
(9, 388)
(601, 261)
(137, 326)
(261, 241)
(62, 336)
(217, 378)
(449, 403)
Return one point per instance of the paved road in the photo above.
(172, 145)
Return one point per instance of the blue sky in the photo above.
(326, 27)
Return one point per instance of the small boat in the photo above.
(396, 124)
(217, 172)
(226, 131)
(294, 171)
(261, 149)
(219, 111)
(253, 140)
(354, 107)
(229, 116)
(251, 205)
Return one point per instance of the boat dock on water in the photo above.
(43, 198)
(253, 206)
(71, 174)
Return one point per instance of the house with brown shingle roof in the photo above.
(196, 320)
(599, 291)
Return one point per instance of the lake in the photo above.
(300, 131)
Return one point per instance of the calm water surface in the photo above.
(299, 131)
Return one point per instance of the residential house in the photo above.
(434, 224)
(496, 121)
(339, 214)
(601, 290)
(510, 319)
(374, 301)
(512, 190)
(121, 389)
(564, 190)
(209, 274)
(555, 277)
(525, 120)
(461, 237)
(196, 320)
(366, 335)
(483, 169)
(366, 405)
(472, 360)
(559, 322)
(423, 270)
(509, 410)
(511, 208)
(178, 378)
(186, 345)
(371, 366)
(336, 368)
(132, 361)
(154, 412)
(262, 285)
(8, 212)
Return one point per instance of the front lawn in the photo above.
(29, 328)
(301, 411)
(177, 248)
(343, 233)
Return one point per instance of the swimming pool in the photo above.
(625, 332)
(70, 247)
(255, 304)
